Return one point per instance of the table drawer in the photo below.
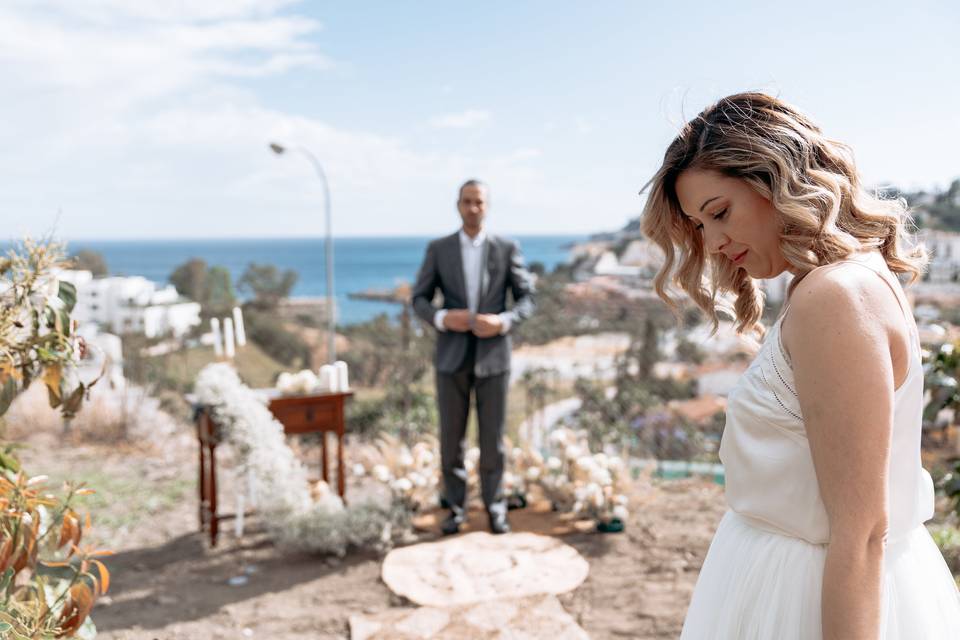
(306, 419)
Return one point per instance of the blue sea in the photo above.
(360, 264)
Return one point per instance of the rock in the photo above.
(479, 567)
(533, 618)
(363, 628)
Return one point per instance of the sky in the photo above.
(152, 118)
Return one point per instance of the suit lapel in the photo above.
(456, 259)
(489, 263)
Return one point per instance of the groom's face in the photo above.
(473, 207)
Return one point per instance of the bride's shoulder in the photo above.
(841, 295)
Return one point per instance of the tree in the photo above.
(687, 351)
(89, 260)
(190, 279)
(220, 298)
(267, 284)
(212, 287)
(650, 352)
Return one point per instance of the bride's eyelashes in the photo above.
(718, 216)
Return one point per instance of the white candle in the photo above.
(328, 378)
(238, 328)
(217, 340)
(229, 347)
(241, 507)
(343, 384)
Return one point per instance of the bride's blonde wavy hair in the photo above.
(825, 214)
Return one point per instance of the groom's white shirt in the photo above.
(471, 254)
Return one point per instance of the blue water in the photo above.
(360, 264)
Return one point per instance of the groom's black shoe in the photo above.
(498, 522)
(452, 524)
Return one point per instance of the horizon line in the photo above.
(201, 238)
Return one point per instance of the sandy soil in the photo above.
(169, 584)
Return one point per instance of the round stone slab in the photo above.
(535, 618)
(479, 567)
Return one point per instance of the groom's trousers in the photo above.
(453, 400)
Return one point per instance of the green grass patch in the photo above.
(123, 501)
(180, 370)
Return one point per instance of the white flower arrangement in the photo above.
(410, 473)
(302, 382)
(297, 517)
(588, 485)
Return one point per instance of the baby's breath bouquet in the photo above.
(298, 517)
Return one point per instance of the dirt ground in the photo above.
(169, 584)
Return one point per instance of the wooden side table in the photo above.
(320, 413)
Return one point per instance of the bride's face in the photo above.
(734, 221)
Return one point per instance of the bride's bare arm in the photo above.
(838, 333)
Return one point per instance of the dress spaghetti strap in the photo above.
(904, 307)
(897, 293)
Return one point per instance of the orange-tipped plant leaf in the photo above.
(6, 549)
(51, 378)
(48, 563)
(104, 576)
(67, 528)
(75, 610)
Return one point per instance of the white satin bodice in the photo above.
(770, 477)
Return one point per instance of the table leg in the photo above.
(202, 484)
(341, 479)
(324, 465)
(214, 518)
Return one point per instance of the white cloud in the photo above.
(526, 153)
(135, 120)
(469, 119)
(112, 11)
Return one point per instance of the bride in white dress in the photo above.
(824, 537)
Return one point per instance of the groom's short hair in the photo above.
(473, 182)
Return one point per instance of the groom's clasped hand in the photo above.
(482, 325)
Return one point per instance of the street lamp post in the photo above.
(328, 247)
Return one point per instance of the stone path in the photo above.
(479, 586)
(524, 619)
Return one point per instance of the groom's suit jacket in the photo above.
(503, 270)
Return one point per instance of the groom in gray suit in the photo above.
(474, 271)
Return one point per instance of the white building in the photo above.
(944, 247)
(111, 347)
(608, 265)
(131, 305)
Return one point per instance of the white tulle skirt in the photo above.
(758, 585)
